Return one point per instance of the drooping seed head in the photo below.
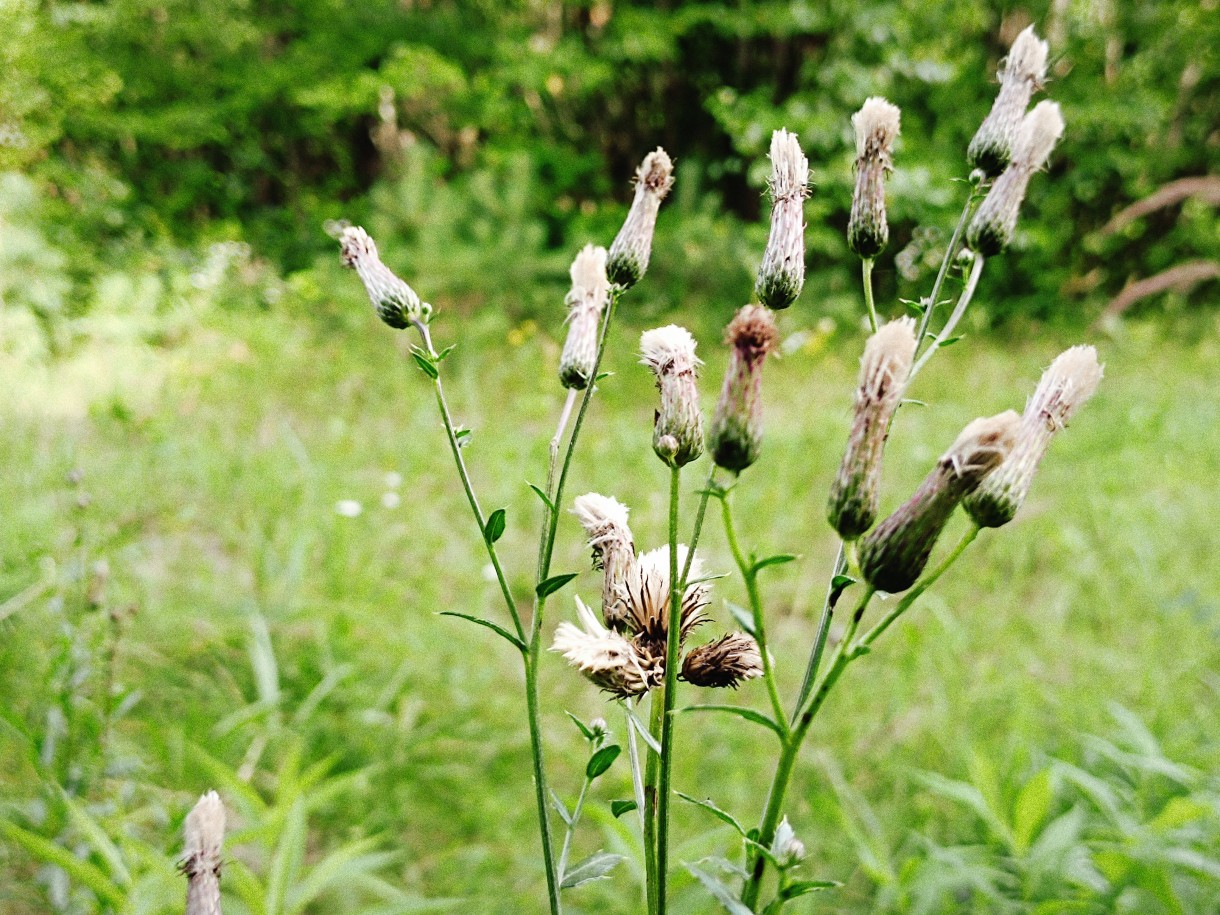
(395, 302)
(586, 302)
(1069, 382)
(677, 435)
(728, 661)
(893, 556)
(632, 247)
(877, 124)
(736, 433)
(1024, 70)
(993, 225)
(204, 836)
(884, 368)
(605, 522)
(782, 274)
(605, 657)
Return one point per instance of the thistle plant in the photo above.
(647, 638)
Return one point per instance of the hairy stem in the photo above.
(652, 772)
(819, 641)
(950, 253)
(567, 836)
(698, 529)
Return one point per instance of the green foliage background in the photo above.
(497, 127)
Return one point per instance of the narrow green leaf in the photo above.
(543, 496)
(560, 808)
(553, 584)
(744, 618)
(288, 858)
(838, 585)
(82, 872)
(949, 341)
(776, 560)
(593, 867)
(748, 714)
(719, 891)
(461, 434)
(618, 808)
(96, 836)
(425, 365)
(602, 760)
(1030, 810)
(713, 810)
(584, 728)
(801, 887)
(495, 525)
(445, 352)
(642, 730)
(498, 630)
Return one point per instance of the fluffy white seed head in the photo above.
(877, 125)
(605, 657)
(632, 247)
(1041, 129)
(586, 302)
(1065, 387)
(782, 273)
(1027, 57)
(396, 303)
(668, 349)
(677, 435)
(992, 147)
(605, 522)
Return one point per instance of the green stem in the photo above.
(920, 586)
(567, 837)
(530, 657)
(672, 643)
(698, 529)
(819, 641)
(950, 253)
(963, 303)
(633, 751)
(866, 269)
(792, 745)
(652, 770)
(760, 636)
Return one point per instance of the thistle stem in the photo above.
(955, 316)
(552, 464)
(672, 643)
(920, 586)
(567, 836)
(633, 751)
(819, 641)
(652, 771)
(950, 253)
(750, 576)
(530, 656)
(698, 529)
(866, 270)
(791, 748)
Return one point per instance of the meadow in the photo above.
(279, 522)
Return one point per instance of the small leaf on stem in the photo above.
(543, 496)
(425, 364)
(714, 811)
(801, 887)
(584, 728)
(593, 867)
(748, 714)
(719, 891)
(560, 808)
(602, 760)
(776, 560)
(498, 630)
(618, 808)
(744, 618)
(495, 525)
(553, 584)
(642, 730)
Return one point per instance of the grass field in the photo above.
(1065, 676)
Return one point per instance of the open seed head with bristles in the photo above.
(605, 522)
(1065, 387)
(993, 225)
(782, 273)
(586, 302)
(677, 436)
(203, 833)
(632, 247)
(855, 493)
(736, 431)
(1023, 74)
(877, 125)
(606, 658)
(727, 662)
(644, 598)
(894, 554)
(395, 302)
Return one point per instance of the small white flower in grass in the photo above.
(393, 479)
(786, 847)
(348, 508)
(391, 500)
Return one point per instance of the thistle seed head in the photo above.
(782, 274)
(677, 435)
(893, 556)
(884, 368)
(606, 658)
(632, 247)
(605, 522)
(204, 835)
(736, 433)
(1023, 73)
(644, 598)
(1069, 382)
(728, 661)
(992, 227)
(586, 302)
(396, 302)
(876, 124)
